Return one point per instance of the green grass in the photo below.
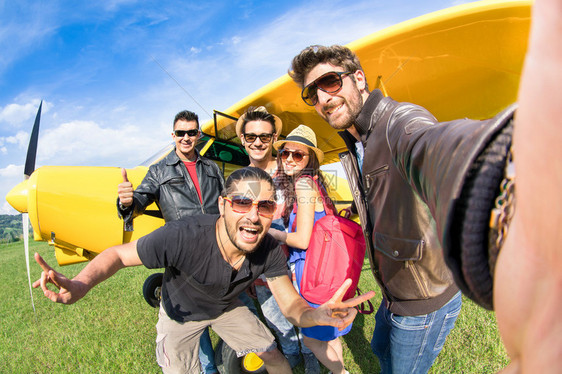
(112, 330)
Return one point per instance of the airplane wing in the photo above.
(463, 61)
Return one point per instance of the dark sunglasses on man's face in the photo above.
(330, 82)
(265, 138)
(242, 204)
(190, 133)
(298, 156)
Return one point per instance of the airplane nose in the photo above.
(17, 197)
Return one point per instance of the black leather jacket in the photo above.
(412, 173)
(167, 183)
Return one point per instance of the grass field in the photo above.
(112, 329)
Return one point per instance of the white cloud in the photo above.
(12, 171)
(6, 208)
(17, 114)
(20, 139)
(89, 143)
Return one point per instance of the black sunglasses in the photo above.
(298, 156)
(330, 82)
(181, 133)
(241, 204)
(265, 138)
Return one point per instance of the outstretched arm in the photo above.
(528, 280)
(99, 269)
(335, 312)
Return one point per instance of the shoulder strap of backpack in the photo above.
(326, 201)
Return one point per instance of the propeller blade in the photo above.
(32, 149)
(25, 222)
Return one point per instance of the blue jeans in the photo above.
(207, 354)
(285, 331)
(410, 344)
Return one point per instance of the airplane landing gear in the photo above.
(151, 289)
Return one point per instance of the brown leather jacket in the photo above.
(413, 169)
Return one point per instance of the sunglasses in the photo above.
(265, 138)
(241, 204)
(190, 133)
(330, 82)
(298, 156)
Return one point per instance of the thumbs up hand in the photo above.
(125, 190)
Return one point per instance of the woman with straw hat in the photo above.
(298, 162)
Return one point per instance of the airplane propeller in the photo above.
(27, 171)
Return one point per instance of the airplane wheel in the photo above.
(151, 289)
(228, 363)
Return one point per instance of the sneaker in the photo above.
(293, 359)
(311, 365)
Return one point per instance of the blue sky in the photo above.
(104, 69)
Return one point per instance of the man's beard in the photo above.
(354, 106)
(231, 232)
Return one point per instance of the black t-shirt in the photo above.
(198, 283)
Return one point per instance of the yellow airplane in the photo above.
(464, 61)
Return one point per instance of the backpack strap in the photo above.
(329, 207)
(361, 308)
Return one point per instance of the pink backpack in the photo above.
(336, 252)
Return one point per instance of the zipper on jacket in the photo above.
(417, 277)
(369, 177)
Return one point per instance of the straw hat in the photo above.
(277, 120)
(303, 135)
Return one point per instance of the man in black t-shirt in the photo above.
(208, 262)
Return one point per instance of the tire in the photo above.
(151, 289)
(228, 363)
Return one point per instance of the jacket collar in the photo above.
(349, 140)
(363, 120)
(172, 157)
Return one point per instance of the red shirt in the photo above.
(193, 174)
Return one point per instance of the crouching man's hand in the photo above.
(69, 291)
(337, 312)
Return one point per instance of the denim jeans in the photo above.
(207, 354)
(249, 302)
(285, 331)
(410, 344)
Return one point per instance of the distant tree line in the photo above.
(10, 228)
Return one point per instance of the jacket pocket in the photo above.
(174, 180)
(371, 176)
(399, 249)
(399, 261)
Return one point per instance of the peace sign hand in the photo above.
(338, 313)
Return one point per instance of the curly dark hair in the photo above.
(313, 55)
